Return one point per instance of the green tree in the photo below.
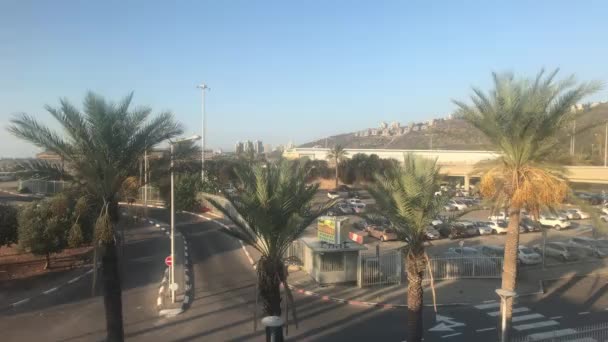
(337, 154)
(271, 211)
(75, 237)
(8, 224)
(524, 119)
(41, 230)
(102, 146)
(406, 196)
(187, 187)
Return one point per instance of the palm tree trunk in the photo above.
(112, 296)
(269, 281)
(509, 274)
(48, 261)
(414, 297)
(336, 173)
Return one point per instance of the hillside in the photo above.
(456, 134)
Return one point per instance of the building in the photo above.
(395, 125)
(374, 131)
(267, 148)
(386, 132)
(383, 125)
(48, 156)
(248, 146)
(239, 147)
(258, 147)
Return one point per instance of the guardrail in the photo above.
(40, 186)
(591, 333)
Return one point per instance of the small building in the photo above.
(423, 127)
(386, 132)
(374, 131)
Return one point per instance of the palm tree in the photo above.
(270, 212)
(337, 154)
(102, 145)
(406, 196)
(524, 120)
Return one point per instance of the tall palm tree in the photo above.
(270, 212)
(524, 120)
(337, 154)
(102, 145)
(406, 196)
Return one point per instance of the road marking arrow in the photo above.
(446, 324)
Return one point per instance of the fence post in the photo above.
(359, 271)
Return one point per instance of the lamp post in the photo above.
(606, 146)
(146, 183)
(203, 87)
(172, 144)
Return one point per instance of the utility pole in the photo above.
(146, 183)
(606, 146)
(203, 87)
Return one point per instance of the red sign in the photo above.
(169, 261)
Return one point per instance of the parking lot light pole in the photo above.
(172, 144)
(504, 329)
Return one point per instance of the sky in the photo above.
(283, 71)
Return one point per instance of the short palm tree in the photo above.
(102, 145)
(271, 211)
(337, 154)
(524, 120)
(406, 196)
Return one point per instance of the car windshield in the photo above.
(526, 250)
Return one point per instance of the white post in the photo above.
(172, 233)
(606, 146)
(203, 87)
(146, 183)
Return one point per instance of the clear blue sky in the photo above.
(285, 70)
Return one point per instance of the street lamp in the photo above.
(203, 87)
(172, 144)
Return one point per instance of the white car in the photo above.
(431, 233)
(483, 228)
(553, 221)
(499, 216)
(580, 213)
(354, 201)
(604, 218)
(497, 227)
(358, 208)
(333, 194)
(605, 211)
(528, 256)
(459, 205)
(436, 222)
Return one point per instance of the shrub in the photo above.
(8, 224)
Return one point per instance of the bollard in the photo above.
(274, 328)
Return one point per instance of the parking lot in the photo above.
(578, 228)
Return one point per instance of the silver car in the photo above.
(593, 247)
(561, 250)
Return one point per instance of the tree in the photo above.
(524, 120)
(271, 211)
(187, 187)
(102, 146)
(337, 154)
(42, 230)
(8, 224)
(406, 196)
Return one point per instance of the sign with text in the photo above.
(326, 230)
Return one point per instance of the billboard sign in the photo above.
(326, 230)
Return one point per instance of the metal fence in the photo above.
(381, 268)
(592, 333)
(39, 186)
(465, 267)
(153, 194)
(295, 253)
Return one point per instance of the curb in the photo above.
(163, 290)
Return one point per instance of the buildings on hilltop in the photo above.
(395, 128)
(256, 146)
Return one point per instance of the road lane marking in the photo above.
(451, 335)
(555, 317)
(50, 290)
(549, 334)
(485, 329)
(584, 313)
(535, 325)
(71, 281)
(527, 317)
(489, 301)
(515, 310)
(23, 301)
(487, 306)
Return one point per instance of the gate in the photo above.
(465, 267)
(295, 253)
(381, 268)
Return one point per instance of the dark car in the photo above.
(463, 230)
(529, 225)
(354, 194)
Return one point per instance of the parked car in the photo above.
(354, 194)
(345, 209)
(529, 225)
(604, 218)
(459, 205)
(593, 247)
(333, 194)
(569, 214)
(527, 256)
(353, 201)
(358, 208)
(583, 215)
(482, 227)
(436, 222)
(499, 216)
(432, 233)
(497, 227)
(462, 252)
(449, 207)
(382, 233)
(463, 230)
(605, 210)
(553, 221)
(561, 250)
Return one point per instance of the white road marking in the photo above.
(515, 310)
(555, 317)
(73, 280)
(527, 317)
(487, 306)
(549, 334)
(584, 313)
(23, 301)
(535, 325)
(451, 335)
(489, 301)
(485, 329)
(50, 290)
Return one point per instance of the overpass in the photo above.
(456, 163)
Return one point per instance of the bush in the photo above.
(8, 224)
(187, 188)
(75, 238)
(40, 231)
